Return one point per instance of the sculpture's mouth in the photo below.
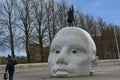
(60, 72)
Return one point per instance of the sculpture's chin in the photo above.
(62, 74)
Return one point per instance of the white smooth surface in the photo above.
(72, 53)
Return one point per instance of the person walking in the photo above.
(10, 67)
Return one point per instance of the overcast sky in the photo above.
(108, 10)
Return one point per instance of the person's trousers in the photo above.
(11, 74)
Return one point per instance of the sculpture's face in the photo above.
(71, 53)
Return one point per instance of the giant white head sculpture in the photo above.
(72, 53)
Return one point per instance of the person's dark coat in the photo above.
(10, 66)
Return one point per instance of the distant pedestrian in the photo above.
(10, 67)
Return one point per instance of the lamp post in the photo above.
(116, 41)
(0, 60)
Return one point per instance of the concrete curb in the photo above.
(109, 62)
(44, 66)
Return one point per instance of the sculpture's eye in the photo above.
(74, 51)
(57, 51)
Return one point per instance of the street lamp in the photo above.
(116, 41)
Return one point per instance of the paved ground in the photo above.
(102, 73)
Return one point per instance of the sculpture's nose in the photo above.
(62, 58)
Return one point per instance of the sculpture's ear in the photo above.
(95, 61)
(94, 64)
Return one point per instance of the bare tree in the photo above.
(1, 34)
(51, 19)
(62, 14)
(39, 12)
(9, 19)
(81, 20)
(53, 16)
(101, 25)
(24, 11)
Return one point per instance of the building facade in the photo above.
(35, 55)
